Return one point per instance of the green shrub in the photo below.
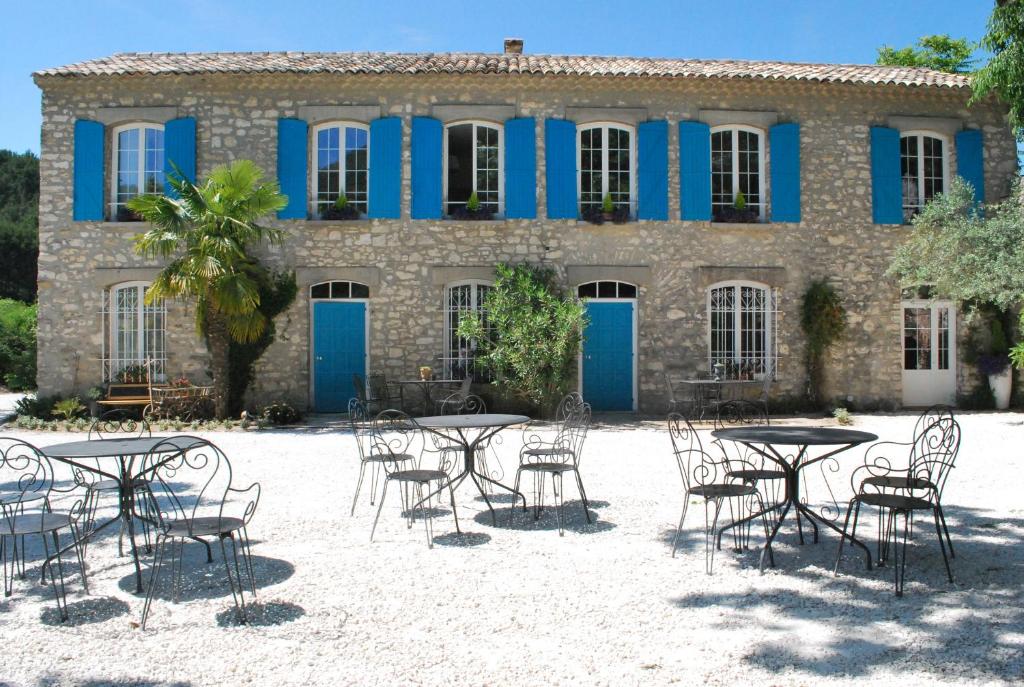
(280, 414)
(69, 408)
(17, 344)
(39, 407)
(842, 416)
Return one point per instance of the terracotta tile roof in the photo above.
(497, 63)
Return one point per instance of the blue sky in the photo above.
(48, 33)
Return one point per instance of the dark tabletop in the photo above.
(795, 436)
(105, 448)
(470, 421)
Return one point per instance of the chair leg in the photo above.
(942, 544)
(426, 512)
(80, 553)
(359, 485)
(899, 563)
(710, 525)
(247, 558)
(380, 507)
(679, 528)
(843, 535)
(455, 512)
(237, 595)
(949, 542)
(583, 495)
(159, 549)
(556, 487)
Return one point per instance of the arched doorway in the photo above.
(339, 342)
(608, 360)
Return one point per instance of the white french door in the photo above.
(929, 352)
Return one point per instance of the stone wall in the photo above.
(237, 118)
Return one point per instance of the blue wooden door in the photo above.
(608, 355)
(339, 351)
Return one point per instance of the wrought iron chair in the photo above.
(707, 396)
(384, 393)
(26, 485)
(555, 458)
(362, 432)
(471, 404)
(675, 404)
(192, 482)
(766, 386)
(904, 491)
(710, 477)
(117, 423)
(759, 471)
(397, 439)
(445, 405)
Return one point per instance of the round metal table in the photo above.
(460, 429)
(803, 438)
(128, 456)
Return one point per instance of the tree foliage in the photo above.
(940, 52)
(19, 225)
(823, 320)
(17, 345)
(1003, 74)
(531, 337)
(205, 233)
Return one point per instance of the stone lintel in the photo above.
(762, 119)
(947, 126)
(589, 115)
(442, 274)
(315, 114)
(633, 274)
(105, 277)
(712, 274)
(123, 115)
(307, 276)
(493, 112)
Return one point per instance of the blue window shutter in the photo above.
(652, 170)
(426, 168)
(520, 168)
(385, 200)
(560, 172)
(180, 149)
(292, 140)
(970, 162)
(695, 171)
(886, 184)
(88, 171)
(784, 142)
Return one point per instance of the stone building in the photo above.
(831, 160)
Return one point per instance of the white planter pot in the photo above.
(1000, 385)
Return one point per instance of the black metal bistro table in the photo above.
(126, 458)
(427, 388)
(802, 438)
(461, 429)
(699, 387)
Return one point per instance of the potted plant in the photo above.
(473, 210)
(608, 212)
(126, 214)
(426, 373)
(341, 209)
(739, 212)
(995, 364)
(94, 394)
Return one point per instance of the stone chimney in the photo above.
(513, 46)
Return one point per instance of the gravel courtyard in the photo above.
(519, 605)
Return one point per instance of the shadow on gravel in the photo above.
(202, 580)
(963, 631)
(575, 521)
(87, 611)
(262, 614)
(465, 539)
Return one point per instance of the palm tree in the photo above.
(204, 232)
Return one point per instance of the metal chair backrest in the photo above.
(575, 416)
(673, 399)
(935, 452)
(395, 436)
(740, 412)
(378, 386)
(359, 386)
(929, 417)
(26, 478)
(362, 430)
(766, 383)
(696, 466)
(189, 478)
(119, 423)
(457, 404)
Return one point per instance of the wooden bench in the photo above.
(127, 395)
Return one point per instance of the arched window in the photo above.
(607, 159)
(924, 166)
(606, 289)
(338, 290)
(473, 164)
(135, 332)
(459, 353)
(138, 166)
(737, 166)
(342, 154)
(742, 329)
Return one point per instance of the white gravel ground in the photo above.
(604, 605)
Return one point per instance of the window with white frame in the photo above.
(342, 155)
(135, 334)
(473, 164)
(607, 158)
(138, 165)
(742, 329)
(461, 298)
(339, 290)
(737, 166)
(924, 167)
